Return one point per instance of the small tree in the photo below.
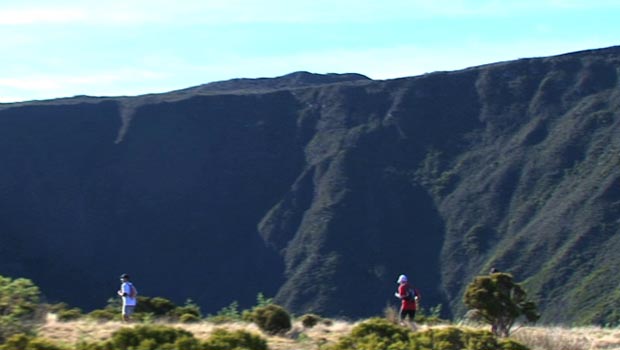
(19, 306)
(499, 301)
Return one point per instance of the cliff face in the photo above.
(322, 189)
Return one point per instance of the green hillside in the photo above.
(322, 189)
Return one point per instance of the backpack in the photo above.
(411, 294)
(133, 292)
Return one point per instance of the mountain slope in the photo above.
(322, 189)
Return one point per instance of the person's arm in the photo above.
(123, 291)
(401, 292)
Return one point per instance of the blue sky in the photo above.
(63, 48)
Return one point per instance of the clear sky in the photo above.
(61, 48)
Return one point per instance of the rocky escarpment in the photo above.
(320, 190)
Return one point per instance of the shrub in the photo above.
(189, 318)
(222, 339)
(19, 306)
(262, 300)
(69, 315)
(382, 334)
(24, 342)
(17, 341)
(375, 333)
(310, 320)
(188, 308)
(509, 344)
(453, 338)
(42, 344)
(271, 318)
(103, 315)
(149, 337)
(499, 302)
(229, 313)
(431, 316)
(157, 306)
(381, 328)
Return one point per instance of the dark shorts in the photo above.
(127, 310)
(407, 313)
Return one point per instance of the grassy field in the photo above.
(299, 338)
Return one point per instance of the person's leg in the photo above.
(412, 319)
(127, 311)
(402, 317)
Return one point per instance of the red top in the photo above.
(403, 291)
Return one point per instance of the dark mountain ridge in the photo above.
(322, 189)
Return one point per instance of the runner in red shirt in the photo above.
(409, 297)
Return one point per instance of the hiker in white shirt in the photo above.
(129, 294)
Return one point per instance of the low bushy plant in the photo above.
(189, 318)
(188, 308)
(25, 342)
(454, 338)
(17, 341)
(432, 316)
(149, 337)
(382, 334)
(310, 320)
(228, 313)
(156, 306)
(375, 333)
(103, 315)
(271, 318)
(69, 314)
(222, 339)
(149, 309)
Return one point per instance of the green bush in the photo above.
(431, 316)
(167, 338)
(188, 308)
(69, 315)
(17, 341)
(222, 339)
(381, 334)
(454, 338)
(189, 318)
(310, 320)
(375, 333)
(271, 318)
(380, 327)
(19, 306)
(509, 344)
(103, 315)
(24, 342)
(229, 313)
(157, 306)
(149, 309)
(149, 337)
(42, 344)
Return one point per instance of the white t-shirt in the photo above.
(126, 289)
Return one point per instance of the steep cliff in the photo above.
(322, 189)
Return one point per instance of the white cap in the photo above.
(401, 279)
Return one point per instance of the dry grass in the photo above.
(300, 338)
(561, 338)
